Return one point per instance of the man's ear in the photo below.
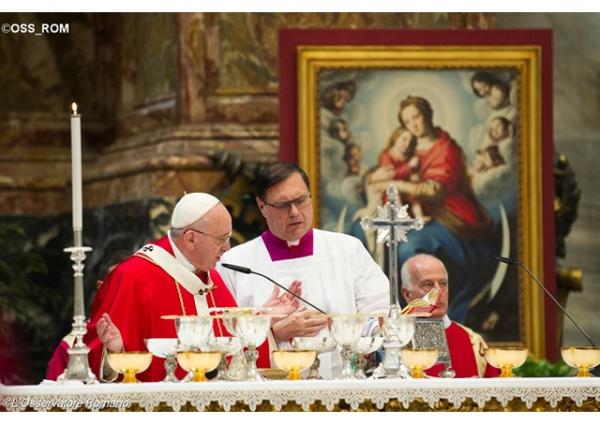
(260, 204)
(405, 294)
(188, 237)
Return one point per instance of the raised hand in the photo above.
(109, 334)
(286, 303)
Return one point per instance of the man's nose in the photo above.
(293, 209)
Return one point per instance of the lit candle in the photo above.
(76, 167)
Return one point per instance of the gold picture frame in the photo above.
(525, 61)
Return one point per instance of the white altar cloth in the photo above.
(304, 393)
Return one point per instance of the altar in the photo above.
(500, 394)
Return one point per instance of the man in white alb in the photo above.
(330, 270)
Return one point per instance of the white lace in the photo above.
(304, 393)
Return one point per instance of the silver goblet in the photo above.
(167, 349)
(346, 329)
(227, 346)
(320, 344)
(363, 346)
(252, 331)
(193, 331)
(398, 331)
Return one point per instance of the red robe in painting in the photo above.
(136, 294)
(401, 167)
(444, 163)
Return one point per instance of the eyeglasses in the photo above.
(221, 240)
(299, 202)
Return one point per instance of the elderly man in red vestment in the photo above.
(146, 286)
(422, 273)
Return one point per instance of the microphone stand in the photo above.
(539, 283)
(246, 270)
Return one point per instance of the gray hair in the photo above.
(405, 274)
(178, 232)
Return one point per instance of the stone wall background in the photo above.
(576, 134)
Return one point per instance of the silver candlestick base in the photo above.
(78, 368)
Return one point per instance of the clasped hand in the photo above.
(298, 321)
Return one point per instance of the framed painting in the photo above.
(460, 122)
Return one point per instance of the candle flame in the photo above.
(74, 107)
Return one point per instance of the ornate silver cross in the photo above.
(392, 223)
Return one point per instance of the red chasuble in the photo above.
(136, 294)
(462, 354)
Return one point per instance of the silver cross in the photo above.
(392, 223)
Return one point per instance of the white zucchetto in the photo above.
(191, 208)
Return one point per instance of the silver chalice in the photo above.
(320, 344)
(346, 329)
(252, 331)
(167, 349)
(193, 331)
(364, 346)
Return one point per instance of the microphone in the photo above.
(246, 270)
(539, 283)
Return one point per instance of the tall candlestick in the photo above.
(78, 368)
(76, 167)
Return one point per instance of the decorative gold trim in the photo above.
(526, 59)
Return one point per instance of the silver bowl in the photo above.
(165, 348)
(193, 331)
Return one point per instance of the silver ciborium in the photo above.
(167, 349)
(321, 343)
(346, 330)
(193, 331)
(364, 346)
(252, 330)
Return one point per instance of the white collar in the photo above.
(446, 322)
(180, 256)
(293, 242)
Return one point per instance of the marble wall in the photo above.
(576, 134)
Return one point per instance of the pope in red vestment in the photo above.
(422, 273)
(138, 292)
